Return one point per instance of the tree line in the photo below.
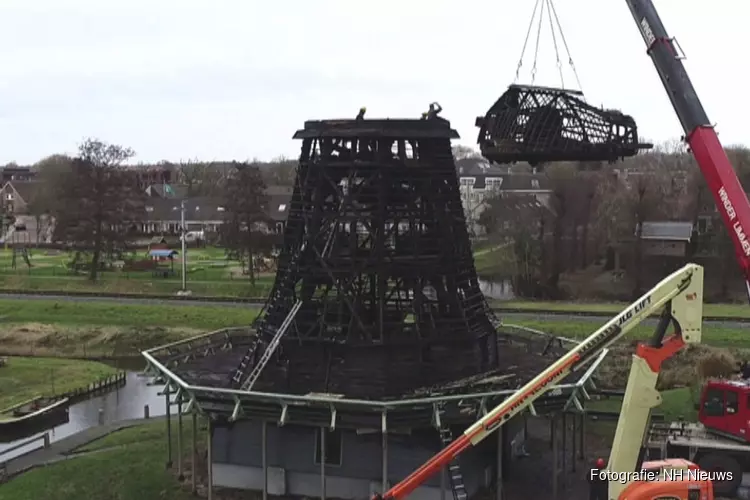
(96, 206)
(595, 211)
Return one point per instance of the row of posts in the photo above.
(560, 426)
(566, 428)
(209, 457)
(180, 468)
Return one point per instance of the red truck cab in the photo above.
(725, 408)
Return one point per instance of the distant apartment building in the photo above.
(479, 181)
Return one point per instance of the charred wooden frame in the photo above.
(325, 410)
(377, 250)
(543, 124)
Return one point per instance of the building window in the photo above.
(333, 447)
(534, 184)
(149, 209)
(493, 183)
(282, 207)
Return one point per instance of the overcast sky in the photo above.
(233, 79)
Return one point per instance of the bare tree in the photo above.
(99, 202)
(461, 152)
(644, 194)
(202, 178)
(50, 173)
(279, 171)
(563, 179)
(191, 173)
(245, 228)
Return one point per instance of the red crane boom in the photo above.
(700, 135)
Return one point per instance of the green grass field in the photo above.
(723, 310)
(60, 327)
(65, 312)
(86, 329)
(128, 465)
(714, 335)
(209, 272)
(676, 403)
(24, 378)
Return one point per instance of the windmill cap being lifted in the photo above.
(436, 128)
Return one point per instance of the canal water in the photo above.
(124, 403)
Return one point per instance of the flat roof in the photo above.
(200, 367)
(160, 252)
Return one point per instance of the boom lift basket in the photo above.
(544, 124)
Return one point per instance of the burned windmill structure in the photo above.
(375, 344)
(376, 292)
(544, 124)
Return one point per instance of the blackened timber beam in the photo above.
(347, 300)
(384, 128)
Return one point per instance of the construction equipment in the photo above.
(700, 135)
(719, 442)
(681, 297)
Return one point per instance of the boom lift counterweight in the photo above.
(681, 296)
(700, 135)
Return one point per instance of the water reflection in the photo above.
(498, 290)
(124, 403)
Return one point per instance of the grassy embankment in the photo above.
(126, 465)
(105, 330)
(24, 378)
(93, 329)
(66, 329)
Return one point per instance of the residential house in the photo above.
(163, 214)
(479, 181)
(666, 238)
(16, 195)
(279, 199)
(163, 207)
(15, 173)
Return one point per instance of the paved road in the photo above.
(510, 316)
(63, 449)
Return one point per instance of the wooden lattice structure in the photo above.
(377, 251)
(543, 124)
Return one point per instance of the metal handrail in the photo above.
(236, 394)
(44, 437)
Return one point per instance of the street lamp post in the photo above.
(184, 246)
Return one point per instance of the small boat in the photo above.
(34, 411)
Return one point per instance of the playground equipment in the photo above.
(19, 242)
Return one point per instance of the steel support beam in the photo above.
(168, 407)
(264, 457)
(180, 471)
(210, 459)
